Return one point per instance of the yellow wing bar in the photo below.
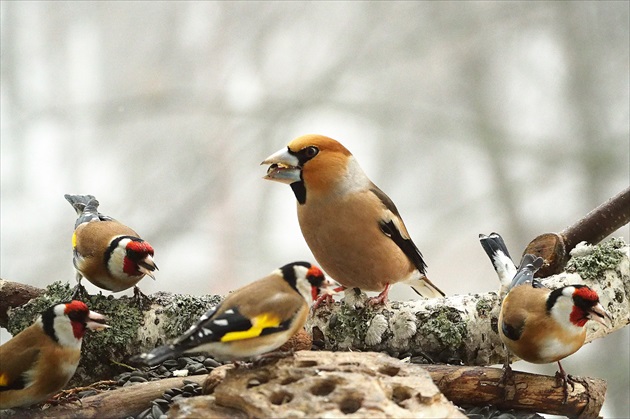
(259, 323)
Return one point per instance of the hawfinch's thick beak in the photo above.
(147, 266)
(284, 167)
(96, 321)
(600, 315)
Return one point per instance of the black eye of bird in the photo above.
(311, 151)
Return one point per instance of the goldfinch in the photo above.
(252, 320)
(540, 325)
(353, 229)
(107, 253)
(40, 360)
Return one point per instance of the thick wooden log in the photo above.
(463, 386)
(481, 386)
(119, 403)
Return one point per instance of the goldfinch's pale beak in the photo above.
(96, 321)
(284, 167)
(600, 315)
(147, 266)
(326, 288)
(329, 286)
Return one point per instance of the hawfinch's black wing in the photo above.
(393, 227)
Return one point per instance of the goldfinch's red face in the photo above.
(587, 307)
(318, 281)
(81, 318)
(316, 160)
(66, 323)
(138, 258)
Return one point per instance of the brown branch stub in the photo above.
(595, 226)
(480, 386)
(12, 295)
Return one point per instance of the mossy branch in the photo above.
(457, 329)
(463, 328)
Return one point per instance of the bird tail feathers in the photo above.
(422, 286)
(155, 357)
(79, 202)
(492, 244)
(86, 207)
(525, 273)
(499, 255)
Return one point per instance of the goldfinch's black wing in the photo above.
(13, 375)
(229, 325)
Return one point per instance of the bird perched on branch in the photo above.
(107, 253)
(353, 229)
(252, 320)
(40, 360)
(536, 323)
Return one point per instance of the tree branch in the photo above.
(119, 403)
(457, 329)
(14, 294)
(594, 227)
(463, 328)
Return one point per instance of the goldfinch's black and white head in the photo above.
(574, 305)
(66, 323)
(40, 360)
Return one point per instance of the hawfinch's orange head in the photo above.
(311, 162)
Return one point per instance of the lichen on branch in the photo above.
(463, 328)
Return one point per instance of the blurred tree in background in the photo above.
(474, 117)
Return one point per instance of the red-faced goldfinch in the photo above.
(538, 324)
(107, 253)
(40, 360)
(252, 320)
(353, 229)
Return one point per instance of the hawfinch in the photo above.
(252, 320)
(353, 229)
(40, 360)
(107, 253)
(541, 325)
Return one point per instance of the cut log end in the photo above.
(551, 247)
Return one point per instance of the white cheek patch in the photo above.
(64, 332)
(561, 312)
(303, 286)
(116, 262)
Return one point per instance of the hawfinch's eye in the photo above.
(311, 151)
